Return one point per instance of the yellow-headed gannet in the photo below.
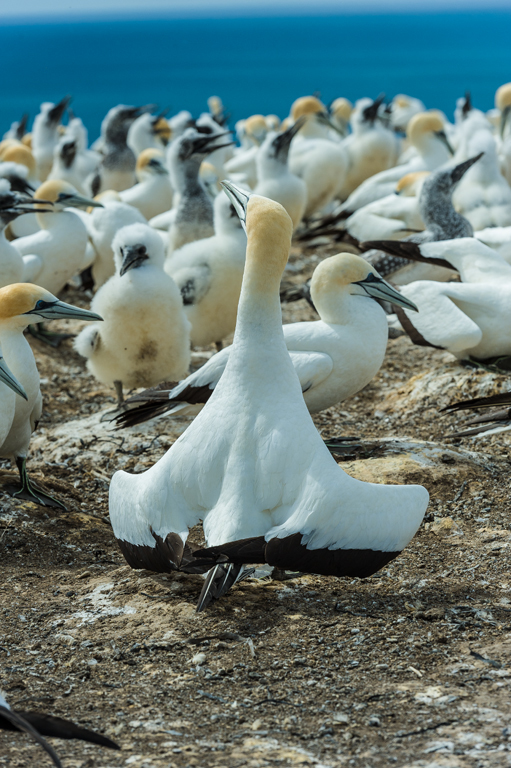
(20, 305)
(503, 104)
(314, 157)
(274, 179)
(252, 465)
(12, 205)
(45, 135)
(403, 108)
(340, 113)
(242, 166)
(334, 357)
(208, 273)
(38, 724)
(153, 193)
(145, 336)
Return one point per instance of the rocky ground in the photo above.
(411, 667)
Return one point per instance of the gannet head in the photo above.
(503, 102)
(20, 154)
(370, 113)
(209, 176)
(13, 203)
(117, 121)
(408, 184)
(255, 128)
(135, 246)
(276, 145)
(7, 377)
(272, 122)
(62, 195)
(151, 162)
(268, 226)
(443, 180)
(27, 140)
(311, 108)
(52, 113)
(6, 144)
(66, 150)
(346, 272)
(426, 123)
(340, 110)
(24, 303)
(198, 144)
(162, 129)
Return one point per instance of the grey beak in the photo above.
(133, 257)
(377, 288)
(8, 379)
(239, 198)
(503, 120)
(443, 138)
(59, 310)
(77, 201)
(460, 170)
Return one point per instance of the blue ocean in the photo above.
(254, 64)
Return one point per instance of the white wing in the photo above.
(32, 266)
(312, 368)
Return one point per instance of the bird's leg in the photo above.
(219, 345)
(29, 490)
(38, 331)
(119, 393)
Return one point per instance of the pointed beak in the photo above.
(77, 201)
(8, 379)
(445, 141)
(133, 256)
(460, 170)
(377, 288)
(239, 198)
(283, 140)
(206, 144)
(157, 167)
(325, 119)
(55, 114)
(467, 105)
(371, 112)
(503, 120)
(59, 310)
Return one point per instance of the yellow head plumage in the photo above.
(503, 97)
(18, 298)
(341, 108)
(50, 190)
(401, 100)
(269, 231)
(162, 129)
(6, 144)
(423, 122)
(340, 270)
(305, 106)
(407, 181)
(272, 122)
(19, 153)
(146, 156)
(27, 140)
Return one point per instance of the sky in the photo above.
(36, 10)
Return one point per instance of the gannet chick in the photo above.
(484, 196)
(193, 217)
(102, 225)
(219, 156)
(275, 180)
(371, 147)
(252, 465)
(441, 220)
(38, 724)
(145, 336)
(313, 157)
(58, 249)
(340, 112)
(65, 163)
(403, 108)
(20, 305)
(117, 167)
(18, 128)
(426, 134)
(145, 133)
(153, 193)
(208, 273)
(334, 357)
(471, 318)
(45, 135)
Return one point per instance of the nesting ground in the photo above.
(411, 667)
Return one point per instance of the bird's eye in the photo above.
(142, 249)
(43, 304)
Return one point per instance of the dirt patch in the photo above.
(411, 667)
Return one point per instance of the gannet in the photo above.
(371, 147)
(219, 156)
(426, 134)
(334, 357)
(208, 273)
(144, 337)
(102, 225)
(252, 465)
(471, 318)
(18, 128)
(12, 205)
(15, 159)
(484, 196)
(340, 112)
(117, 167)
(153, 193)
(503, 104)
(20, 305)
(272, 122)
(274, 179)
(59, 248)
(65, 163)
(442, 222)
(403, 108)
(242, 165)
(313, 157)
(145, 133)
(498, 238)
(193, 215)
(38, 724)
(45, 135)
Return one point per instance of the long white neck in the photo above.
(432, 151)
(20, 359)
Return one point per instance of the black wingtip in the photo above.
(218, 582)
